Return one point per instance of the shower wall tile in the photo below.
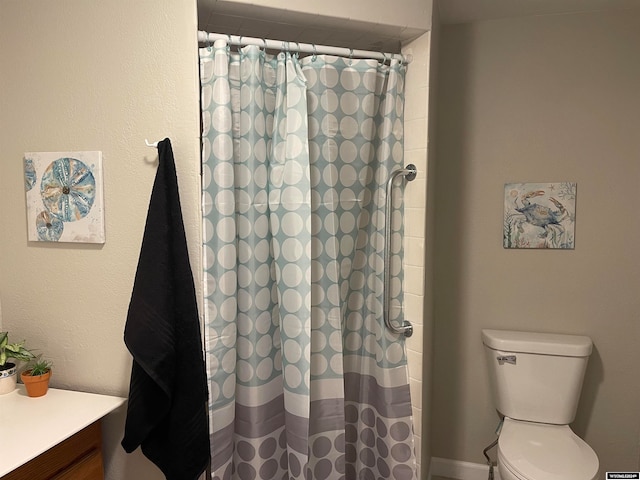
(416, 396)
(414, 342)
(417, 421)
(414, 222)
(418, 444)
(414, 251)
(414, 279)
(415, 360)
(418, 70)
(417, 156)
(415, 199)
(416, 145)
(418, 447)
(416, 387)
(413, 307)
(415, 133)
(415, 107)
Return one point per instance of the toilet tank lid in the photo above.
(540, 343)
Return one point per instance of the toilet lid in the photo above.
(545, 452)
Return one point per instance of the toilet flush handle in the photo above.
(502, 359)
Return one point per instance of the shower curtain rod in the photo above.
(204, 37)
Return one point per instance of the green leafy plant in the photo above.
(39, 366)
(16, 351)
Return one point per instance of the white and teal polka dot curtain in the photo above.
(304, 380)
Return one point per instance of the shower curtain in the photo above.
(305, 382)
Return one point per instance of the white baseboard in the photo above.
(459, 470)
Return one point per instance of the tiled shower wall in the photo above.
(415, 201)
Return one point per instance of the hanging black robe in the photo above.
(167, 408)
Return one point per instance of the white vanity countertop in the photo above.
(31, 426)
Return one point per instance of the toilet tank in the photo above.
(536, 377)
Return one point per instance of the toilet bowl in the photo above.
(537, 451)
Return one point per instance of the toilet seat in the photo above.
(538, 451)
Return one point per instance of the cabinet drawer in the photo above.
(57, 460)
(88, 467)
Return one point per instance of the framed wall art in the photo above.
(64, 196)
(539, 215)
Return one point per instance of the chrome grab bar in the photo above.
(409, 173)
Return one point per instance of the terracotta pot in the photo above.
(36, 386)
(8, 378)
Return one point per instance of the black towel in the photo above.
(166, 412)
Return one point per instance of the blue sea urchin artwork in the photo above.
(30, 175)
(68, 189)
(64, 196)
(49, 228)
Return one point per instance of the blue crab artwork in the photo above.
(539, 215)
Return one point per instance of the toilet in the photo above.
(536, 379)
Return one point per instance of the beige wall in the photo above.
(553, 98)
(92, 75)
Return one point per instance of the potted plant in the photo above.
(15, 351)
(36, 377)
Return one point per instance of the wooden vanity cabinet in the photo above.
(53, 437)
(79, 457)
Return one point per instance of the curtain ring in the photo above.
(286, 49)
(315, 53)
(297, 54)
(209, 44)
(350, 56)
(228, 43)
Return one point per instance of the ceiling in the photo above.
(251, 20)
(466, 11)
